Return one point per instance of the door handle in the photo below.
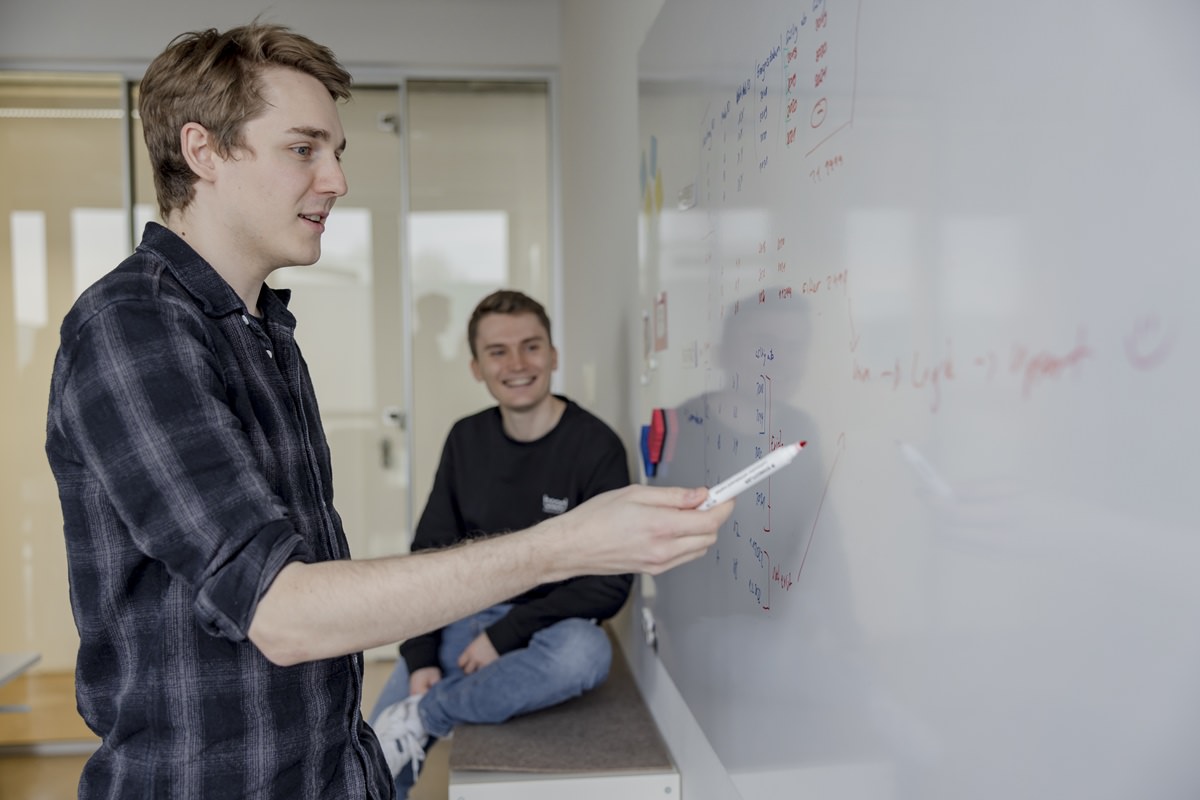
(394, 417)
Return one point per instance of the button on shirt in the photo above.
(192, 466)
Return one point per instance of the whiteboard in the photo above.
(955, 246)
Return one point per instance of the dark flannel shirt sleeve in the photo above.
(438, 527)
(144, 407)
(588, 597)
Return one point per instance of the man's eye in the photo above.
(302, 150)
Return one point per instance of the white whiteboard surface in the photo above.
(956, 247)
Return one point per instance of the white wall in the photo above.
(599, 139)
(602, 322)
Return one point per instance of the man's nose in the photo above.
(333, 179)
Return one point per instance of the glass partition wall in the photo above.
(61, 220)
(450, 198)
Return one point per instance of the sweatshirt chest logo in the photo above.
(553, 505)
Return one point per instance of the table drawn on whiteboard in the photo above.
(829, 43)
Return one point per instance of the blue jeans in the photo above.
(561, 661)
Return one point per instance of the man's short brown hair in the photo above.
(506, 301)
(215, 79)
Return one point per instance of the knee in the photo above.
(393, 691)
(579, 648)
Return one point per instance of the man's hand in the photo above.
(638, 528)
(479, 653)
(423, 680)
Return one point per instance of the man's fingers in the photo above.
(670, 496)
(640, 529)
(692, 540)
(683, 550)
(693, 497)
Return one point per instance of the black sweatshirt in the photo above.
(488, 483)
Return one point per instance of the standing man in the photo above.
(220, 616)
(532, 456)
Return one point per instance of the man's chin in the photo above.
(306, 260)
(521, 404)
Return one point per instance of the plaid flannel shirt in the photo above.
(192, 466)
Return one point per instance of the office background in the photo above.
(572, 69)
(586, 53)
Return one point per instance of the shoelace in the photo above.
(408, 742)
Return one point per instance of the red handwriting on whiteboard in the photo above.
(933, 377)
(1032, 366)
(820, 110)
(784, 579)
(830, 166)
(919, 375)
(791, 84)
(1045, 364)
(834, 281)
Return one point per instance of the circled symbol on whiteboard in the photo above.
(1149, 343)
(818, 113)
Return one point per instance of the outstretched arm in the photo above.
(327, 609)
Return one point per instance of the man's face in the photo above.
(514, 359)
(275, 194)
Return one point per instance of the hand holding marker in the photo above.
(731, 487)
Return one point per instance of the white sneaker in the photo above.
(402, 735)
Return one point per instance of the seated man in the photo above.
(533, 455)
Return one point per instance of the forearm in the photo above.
(314, 611)
(331, 608)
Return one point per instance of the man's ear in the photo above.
(195, 142)
(475, 370)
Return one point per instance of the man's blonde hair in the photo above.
(215, 79)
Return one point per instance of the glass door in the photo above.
(62, 223)
(351, 314)
(479, 179)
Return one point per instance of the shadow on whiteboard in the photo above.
(765, 629)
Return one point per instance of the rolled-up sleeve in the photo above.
(147, 411)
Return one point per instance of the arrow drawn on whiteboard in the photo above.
(841, 448)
